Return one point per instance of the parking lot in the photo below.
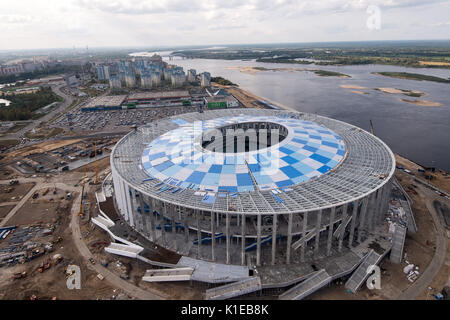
(115, 121)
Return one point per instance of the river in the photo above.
(419, 133)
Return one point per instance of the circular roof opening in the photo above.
(243, 137)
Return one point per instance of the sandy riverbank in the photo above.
(253, 70)
(249, 99)
(401, 91)
(352, 86)
(422, 103)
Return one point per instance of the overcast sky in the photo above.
(97, 23)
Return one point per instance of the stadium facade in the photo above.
(253, 186)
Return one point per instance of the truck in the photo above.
(19, 275)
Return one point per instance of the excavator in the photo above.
(44, 266)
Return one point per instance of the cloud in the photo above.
(16, 19)
(56, 23)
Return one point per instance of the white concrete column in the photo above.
(258, 240)
(213, 236)
(274, 237)
(317, 237)
(243, 232)
(353, 222)
(227, 232)
(289, 239)
(330, 230)
(362, 219)
(305, 226)
(345, 214)
(199, 233)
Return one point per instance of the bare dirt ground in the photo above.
(440, 178)
(96, 239)
(419, 249)
(4, 211)
(40, 147)
(51, 283)
(91, 167)
(16, 194)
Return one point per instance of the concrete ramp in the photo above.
(213, 272)
(297, 244)
(338, 233)
(175, 274)
(234, 289)
(410, 221)
(318, 280)
(102, 222)
(131, 251)
(360, 275)
(398, 242)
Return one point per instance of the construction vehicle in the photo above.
(19, 275)
(47, 265)
(57, 258)
(35, 195)
(59, 239)
(45, 192)
(44, 266)
(91, 260)
(8, 190)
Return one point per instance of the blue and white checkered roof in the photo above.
(308, 151)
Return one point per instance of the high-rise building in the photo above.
(114, 82)
(178, 79)
(205, 79)
(146, 80)
(156, 78)
(130, 78)
(191, 75)
(102, 72)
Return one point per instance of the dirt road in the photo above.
(113, 279)
(421, 284)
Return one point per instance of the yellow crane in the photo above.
(96, 164)
(80, 213)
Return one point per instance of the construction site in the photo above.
(158, 211)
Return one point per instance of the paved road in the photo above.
(421, 284)
(112, 278)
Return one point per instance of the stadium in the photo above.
(284, 195)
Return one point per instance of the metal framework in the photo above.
(257, 227)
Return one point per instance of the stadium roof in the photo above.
(353, 163)
(309, 150)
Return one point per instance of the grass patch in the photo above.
(222, 81)
(412, 76)
(325, 73)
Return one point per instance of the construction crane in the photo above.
(80, 213)
(96, 164)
